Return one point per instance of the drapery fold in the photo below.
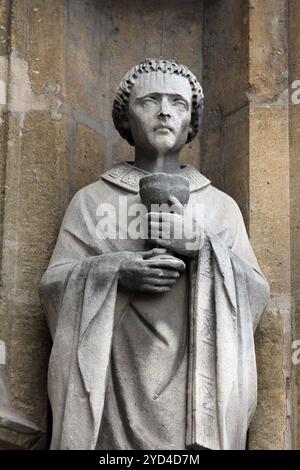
(229, 296)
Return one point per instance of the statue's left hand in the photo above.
(177, 231)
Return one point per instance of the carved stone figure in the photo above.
(153, 335)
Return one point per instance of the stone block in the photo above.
(269, 194)
(294, 40)
(18, 433)
(37, 171)
(29, 354)
(236, 184)
(268, 47)
(294, 135)
(117, 150)
(3, 146)
(36, 197)
(86, 58)
(268, 425)
(191, 153)
(235, 157)
(46, 44)
(211, 162)
(19, 27)
(4, 26)
(90, 148)
(103, 42)
(225, 54)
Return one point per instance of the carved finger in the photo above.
(154, 289)
(153, 252)
(154, 281)
(169, 262)
(162, 273)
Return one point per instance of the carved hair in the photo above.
(120, 105)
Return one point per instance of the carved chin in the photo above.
(164, 142)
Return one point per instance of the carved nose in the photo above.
(164, 111)
(164, 114)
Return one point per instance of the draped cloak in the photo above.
(84, 304)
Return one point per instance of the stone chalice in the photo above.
(158, 188)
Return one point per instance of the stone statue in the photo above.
(153, 335)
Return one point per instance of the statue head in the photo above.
(145, 85)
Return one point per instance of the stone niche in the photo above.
(60, 63)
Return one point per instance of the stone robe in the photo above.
(86, 311)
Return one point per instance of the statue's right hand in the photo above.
(154, 271)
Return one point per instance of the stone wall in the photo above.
(270, 217)
(294, 137)
(250, 151)
(60, 63)
(225, 143)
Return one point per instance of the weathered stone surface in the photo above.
(267, 430)
(294, 136)
(269, 224)
(86, 30)
(67, 59)
(29, 352)
(46, 45)
(212, 164)
(191, 153)
(4, 26)
(269, 197)
(17, 432)
(116, 35)
(19, 27)
(235, 158)
(119, 149)
(4, 363)
(225, 82)
(268, 43)
(4, 41)
(225, 47)
(36, 170)
(3, 147)
(248, 62)
(89, 164)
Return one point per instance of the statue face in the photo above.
(160, 111)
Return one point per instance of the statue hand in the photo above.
(178, 231)
(152, 271)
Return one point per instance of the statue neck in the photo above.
(157, 162)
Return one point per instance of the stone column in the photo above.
(35, 196)
(294, 135)
(246, 152)
(4, 51)
(269, 221)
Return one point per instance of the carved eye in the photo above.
(149, 100)
(180, 103)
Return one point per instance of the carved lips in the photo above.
(163, 128)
